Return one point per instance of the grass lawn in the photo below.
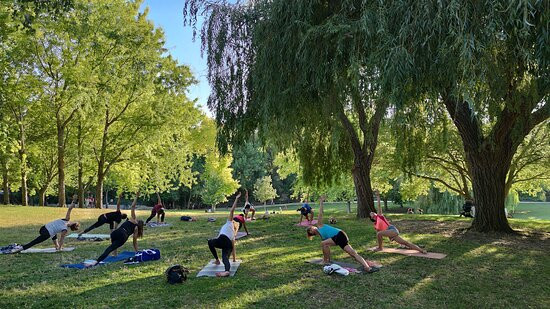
(533, 211)
(479, 271)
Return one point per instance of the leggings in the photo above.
(153, 214)
(222, 242)
(118, 238)
(100, 221)
(44, 235)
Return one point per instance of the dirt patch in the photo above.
(522, 239)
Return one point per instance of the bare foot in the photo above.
(372, 263)
(423, 251)
(217, 262)
(222, 274)
(376, 249)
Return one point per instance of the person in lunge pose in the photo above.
(132, 226)
(226, 241)
(158, 211)
(385, 229)
(332, 236)
(113, 218)
(242, 222)
(51, 229)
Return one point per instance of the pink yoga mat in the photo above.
(306, 223)
(409, 252)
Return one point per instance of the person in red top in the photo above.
(242, 222)
(385, 229)
(158, 210)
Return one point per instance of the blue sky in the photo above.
(168, 15)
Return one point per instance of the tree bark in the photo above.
(23, 159)
(6, 185)
(363, 188)
(42, 196)
(61, 163)
(99, 188)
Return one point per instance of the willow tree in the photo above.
(487, 63)
(299, 75)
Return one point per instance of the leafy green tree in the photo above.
(218, 181)
(249, 164)
(485, 62)
(275, 72)
(263, 190)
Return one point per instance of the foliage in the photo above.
(263, 190)
(218, 181)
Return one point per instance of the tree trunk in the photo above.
(99, 190)
(363, 188)
(6, 185)
(42, 196)
(23, 159)
(80, 166)
(61, 163)
(489, 182)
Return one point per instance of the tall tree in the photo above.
(487, 63)
(299, 74)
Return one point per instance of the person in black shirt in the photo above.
(113, 218)
(131, 227)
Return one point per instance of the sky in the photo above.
(168, 15)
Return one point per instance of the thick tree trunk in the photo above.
(489, 186)
(363, 188)
(6, 185)
(61, 164)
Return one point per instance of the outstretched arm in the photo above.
(244, 225)
(118, 202)
(68, 215)
(234, 253)
(378, 198)
(320, 215)
(159, 201)
(232, 211)
(135, 243)
(134, 206)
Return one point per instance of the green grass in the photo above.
(479, 271)
(533, 211)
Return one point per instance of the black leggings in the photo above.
(100, 221)
(44, 235)
(118, 238)
(153, 214)
(222, 242)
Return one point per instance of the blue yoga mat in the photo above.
(110, 259)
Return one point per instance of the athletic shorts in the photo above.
(341, 239)
(393, 228)
(305, 212)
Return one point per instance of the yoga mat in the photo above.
(110, 259)
(409, 252)
(154, 224)
(306, 223)
(348, 266)
(211, 269)
(47, 250)
(90, 236)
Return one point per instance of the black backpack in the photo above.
(176, 274)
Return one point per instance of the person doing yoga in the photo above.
(113, 218)
(51, 229)
(306, 211)
(242, 222)
(158, 211)
(332, 236)
(385, 229)
(226, 241)
(132, 226)
(248, 208)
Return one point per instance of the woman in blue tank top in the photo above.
(331, 236)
